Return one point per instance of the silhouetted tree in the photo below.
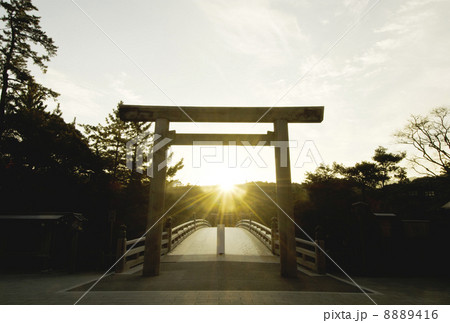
(123, 147)
(365, 174)
(21, 33)
(31, 96)
(109, 141)
(388, 165)
(429, 135)
(43, 156)
(321, 174)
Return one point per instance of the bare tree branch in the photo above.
(429, 136)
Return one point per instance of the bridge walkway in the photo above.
(193, 273)
(247, 274)
(240, 245)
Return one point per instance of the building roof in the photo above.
(385, 214)
(31, 217)
(446, 206)
(41, 216)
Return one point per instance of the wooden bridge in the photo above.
(197, 239)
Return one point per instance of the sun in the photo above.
(226, 186)
(227, 183)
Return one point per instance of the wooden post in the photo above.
(195, 223)
(169, 233)
(73, 251)
(320, 257)
(221, 239)
(284, 199)
(121, 248)
(274, 234)
(152, 255)
(361, 213)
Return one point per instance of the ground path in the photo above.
(193, 274)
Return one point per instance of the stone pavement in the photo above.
(220, 276)
(52, 288)
(247, 274)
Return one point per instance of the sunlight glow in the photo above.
(226, 186)
(226, 180)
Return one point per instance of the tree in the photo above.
(45, 161)
(429, 136)
(366, 174)
(388, 165)
(43, 140)
(31, 95)
(322, 173)
(109, 142)
(21, 33)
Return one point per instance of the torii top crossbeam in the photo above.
(221, 114)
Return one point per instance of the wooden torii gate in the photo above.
(279, 116)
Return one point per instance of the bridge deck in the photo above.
(240, 246)
(237, 242)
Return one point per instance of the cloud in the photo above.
(256, 29)
(352, 8)
(373, 57)
(403, 28)
(416, 4)
(410, 18)
(118, 85)
(356, 7)
(77, 99)
(89, 103)
(387, 44)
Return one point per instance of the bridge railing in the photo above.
(308, 253)
(310, 256)
(263, 233)
(180, 232)
(134, 249)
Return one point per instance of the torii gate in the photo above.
(279, 116)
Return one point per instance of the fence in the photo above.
(170, 239)
(309, 254)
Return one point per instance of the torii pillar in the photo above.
(279, 116)
(152, 252)
(285, 210)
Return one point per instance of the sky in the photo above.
(371, 64)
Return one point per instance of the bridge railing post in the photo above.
(169, 233)
(320, 256)
(195, 223)
(121, 248)
(274, 234)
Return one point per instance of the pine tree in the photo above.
(388, 165)
(109, 141)
(20, 36)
